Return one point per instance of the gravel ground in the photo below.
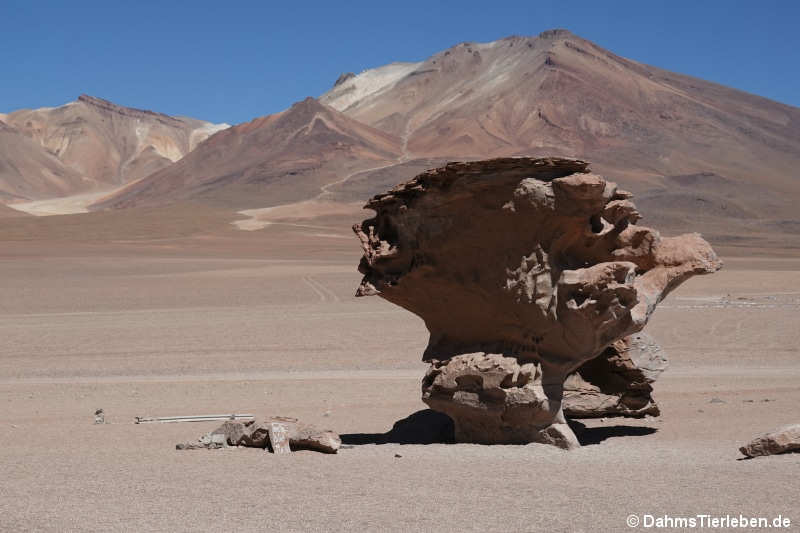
(156, 335)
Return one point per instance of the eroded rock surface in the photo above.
(785, 439)
(209, 441)
(255, 434)
(301, 436)
(523, 270)
(618, 382)
(495, 399)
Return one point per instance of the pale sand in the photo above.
(148, 332)
(298, 213)
(65, 205)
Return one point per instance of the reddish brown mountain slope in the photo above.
(104, 143)
(692, 150)
(275, 159)
(27, 170)
(558, 93)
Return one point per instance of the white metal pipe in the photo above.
(195, 418)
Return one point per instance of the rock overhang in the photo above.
(536, 259)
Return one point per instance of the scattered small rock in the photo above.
(99, 417)
(255, 434)
(397, 455)
(279, 438)
(717, 400)
(784, 439)
(209, 441)
(343, 78)
(232, 431)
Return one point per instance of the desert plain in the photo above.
(198, 317)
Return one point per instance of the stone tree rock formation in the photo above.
(523, 270)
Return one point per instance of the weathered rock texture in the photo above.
(493, 398)
(209, 441)
(523, 270)
(784, 439)
(618, 382)
(255, 434)
(301, 436)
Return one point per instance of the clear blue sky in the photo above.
(233, 61)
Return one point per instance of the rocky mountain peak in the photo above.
(556, 33)
(106, 105)
(343, 78)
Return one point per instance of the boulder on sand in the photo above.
(785, 439)
(523, 270)
(255, 434)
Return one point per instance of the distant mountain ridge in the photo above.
(697, 155)
(558, 93)
(102, 143)
(285, 157)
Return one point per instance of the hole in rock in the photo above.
(508, 381)
(470, 383)
(596, 223)
(579, 298)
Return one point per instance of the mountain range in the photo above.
(697, 154)
(89, 144)
(285, 157)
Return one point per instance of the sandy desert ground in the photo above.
(265, 322)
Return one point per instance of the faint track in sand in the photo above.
(325, 289)
(313, 287)
(323, 293)
(278, 375)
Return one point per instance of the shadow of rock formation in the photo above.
(588, 436)
(431, 427)
(423, 427)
